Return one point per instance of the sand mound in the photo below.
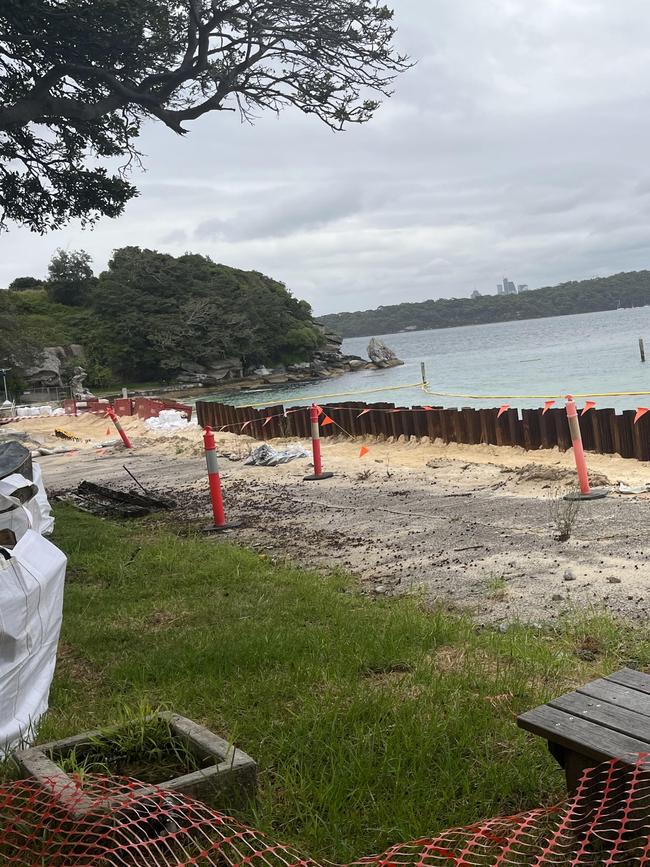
(555, 475)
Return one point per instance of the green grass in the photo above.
(372, 721)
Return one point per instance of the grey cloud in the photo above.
(517, 145)
(277, 216)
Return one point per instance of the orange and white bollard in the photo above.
(318, 474)
(110, 412)
(586, 492)
(214, 479)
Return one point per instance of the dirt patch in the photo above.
(444, 522)
(81, 670)
(555, 475)
(453, 659)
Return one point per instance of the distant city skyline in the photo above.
(505, 288)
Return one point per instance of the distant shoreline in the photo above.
(599, 295)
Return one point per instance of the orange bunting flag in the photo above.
(319, 408)
(504, 409)
(364, 412)
(396, 410)
(364, 451)
(327, 420)
(245, 425)
(428, 408)
(548, 405)
(267, 420)
(640, 413)
(589, 405)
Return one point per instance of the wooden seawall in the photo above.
(604, 431)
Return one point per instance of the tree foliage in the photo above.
(70, 277)
(630, 289)
(156, 312)
(149, 314)
(78, 77)
(20, 284)
(17, 348)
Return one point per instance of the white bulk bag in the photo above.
(32, 576)
(39, 506)
(36, 514)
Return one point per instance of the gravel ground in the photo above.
(467, 528)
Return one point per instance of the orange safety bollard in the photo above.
(110, 412)
(214, 479)
(586, 492)
(318, 474)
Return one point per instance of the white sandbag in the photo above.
(13, 514)
(32, 576)
(35, 514)
(39, 506)
(169, 420)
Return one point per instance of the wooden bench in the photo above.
(606, 719)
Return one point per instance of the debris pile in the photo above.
(113, 503)
(266, 456)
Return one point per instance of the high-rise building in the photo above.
(509, 287)
(500, 289)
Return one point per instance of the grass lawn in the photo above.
(372, 721)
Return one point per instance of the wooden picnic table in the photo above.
(608, 718)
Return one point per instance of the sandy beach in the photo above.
(468, 527)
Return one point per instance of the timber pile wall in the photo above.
(603, 430)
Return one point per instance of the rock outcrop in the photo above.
(382, 356)
(79, 390)
(46, 372)
(217, 372)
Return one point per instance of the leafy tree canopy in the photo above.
(22, 283)
(157, 311)
(70, 277)
(78, 77)
(150, 313)
(631, 289)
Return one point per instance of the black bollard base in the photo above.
(229, 525)
(320, 478)
(597, 494)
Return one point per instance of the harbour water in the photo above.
(589, 353)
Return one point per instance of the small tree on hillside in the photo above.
(70, 277)
(23, 283)
(78, 77)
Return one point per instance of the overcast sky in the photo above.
(518, 146)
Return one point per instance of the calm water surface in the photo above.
(593, 352)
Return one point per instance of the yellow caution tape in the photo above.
(534, 396)
(424, 387)
(317, 397)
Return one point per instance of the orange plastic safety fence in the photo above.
(106, 822)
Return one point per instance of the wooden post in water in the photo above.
(424, 373)
(642, 349)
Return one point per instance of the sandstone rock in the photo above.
(382, 355)
(79, 390)
(46, 371)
